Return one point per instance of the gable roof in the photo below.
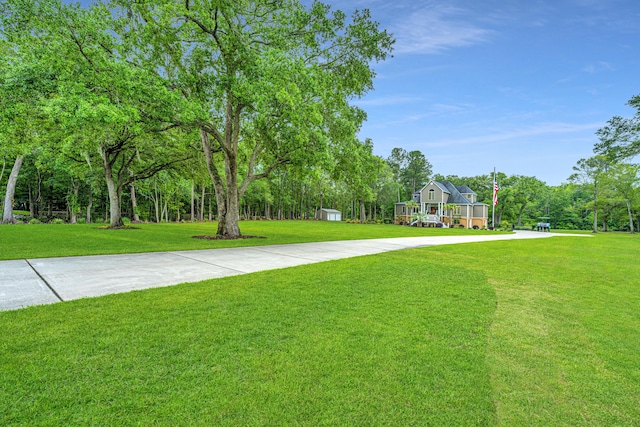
(440, 186)
(455, 195)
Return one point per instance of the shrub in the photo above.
(35, 221)
(57, 221)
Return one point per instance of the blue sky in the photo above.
(520, 85)
(514, 84)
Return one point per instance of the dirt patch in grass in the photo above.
(209, 237)
(124, 227)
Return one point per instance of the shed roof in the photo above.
(330, 210)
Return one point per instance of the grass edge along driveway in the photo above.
(538, 332)
(349, 342)
(48, 240)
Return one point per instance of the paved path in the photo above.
(49, 280)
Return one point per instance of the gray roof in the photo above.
(441, 186)
(330, 210)
(455, 195)
(464, 189)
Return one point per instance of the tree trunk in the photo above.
(34, 202)
(32, 213)
(89, 205)
(7, 216)
(595, 212)
(134, 203)
(363, 212)
(193, 201)
(74, 206)
(202, 195)
(165, 209)
(630, 216)
(156, 201)
(218, 186)
(114, 190)
(38, 200)
(4, 165)
(301, 202)
(230, 226)
(115, 212)
(520, 215)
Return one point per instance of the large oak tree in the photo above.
(268, 82)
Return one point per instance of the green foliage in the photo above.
(411, 169)
(264, 83)
(620, 137)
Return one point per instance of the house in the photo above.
(330, 215)
(446, 204)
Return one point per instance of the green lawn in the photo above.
(47, 240)
(511, 333)
(564, 346)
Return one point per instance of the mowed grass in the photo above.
(351, 342)
(564, 346)
(510, 333)
(48, 240)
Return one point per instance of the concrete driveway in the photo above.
(48, 280)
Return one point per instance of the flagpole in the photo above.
(493, 203)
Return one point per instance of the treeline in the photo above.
(48, 191)
(172, 111)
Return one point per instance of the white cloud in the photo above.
(390, 100)
(435, 29)
(598, 67)
(509, 136)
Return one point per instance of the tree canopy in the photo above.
(260, 84)
(267, 83)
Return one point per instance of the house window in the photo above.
(432, 195)
(456, 210)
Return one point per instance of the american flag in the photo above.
(495, 193)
